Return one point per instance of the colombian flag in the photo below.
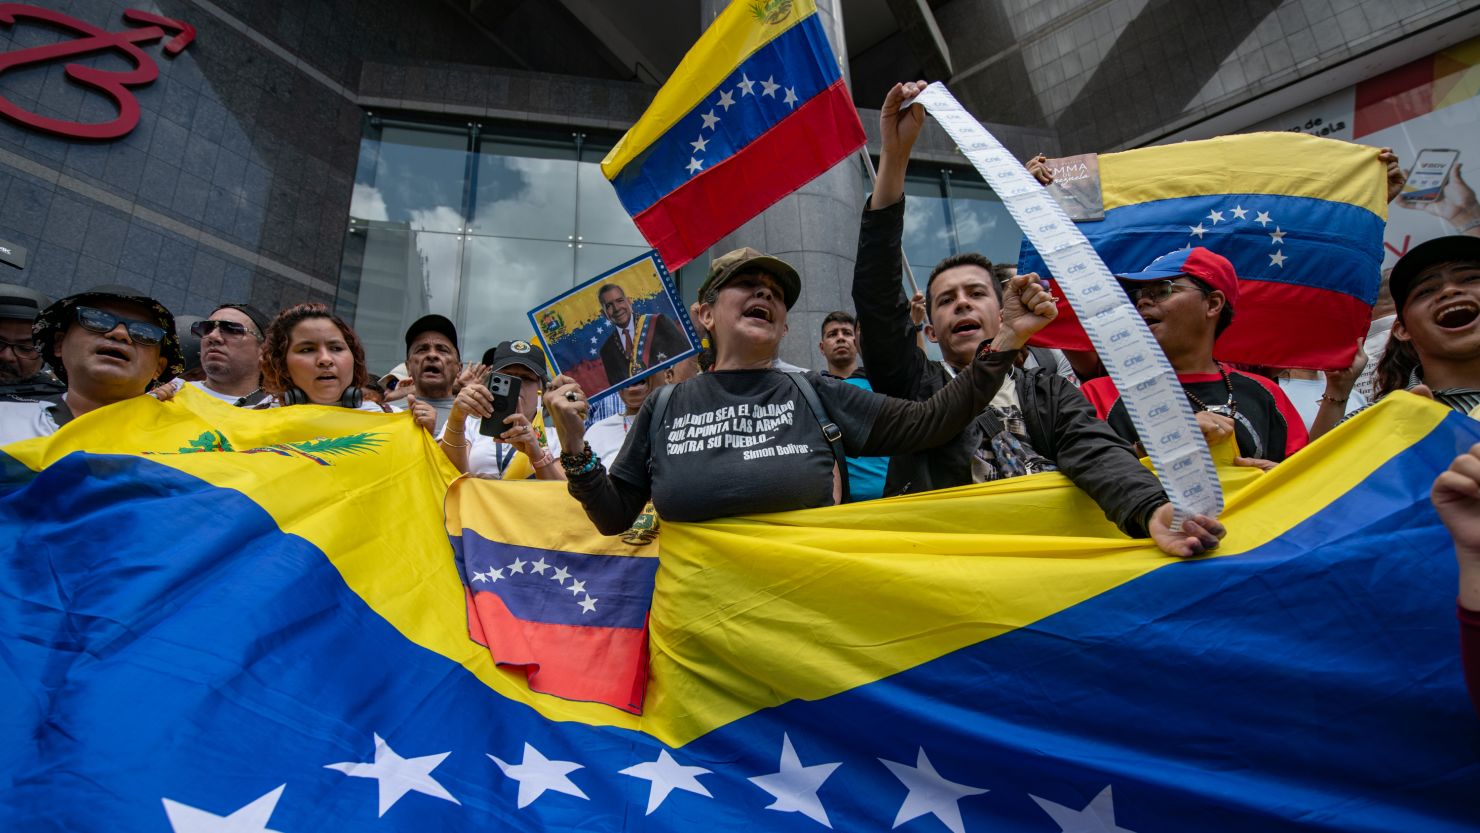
(757, 109)
(222, 620)
(1301, 219)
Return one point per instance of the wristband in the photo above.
(545, 459)
(1333, 400)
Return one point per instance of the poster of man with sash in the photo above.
(620, 325)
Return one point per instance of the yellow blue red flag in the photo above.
(222, 620)
(1300, 217)
(756, 109)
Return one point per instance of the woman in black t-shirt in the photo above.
(741, 438)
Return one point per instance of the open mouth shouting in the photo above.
(1457, 314)
(114, 352)
(966, 326)
(759, 310)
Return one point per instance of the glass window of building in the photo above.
(477, 222)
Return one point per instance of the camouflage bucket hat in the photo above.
(57, 317)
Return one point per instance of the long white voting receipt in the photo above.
(1148, 386)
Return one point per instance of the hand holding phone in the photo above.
(1430, 174)
(505, 392)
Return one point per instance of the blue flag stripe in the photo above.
(622, 586)
(1324, 244)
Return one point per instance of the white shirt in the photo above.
(606, 437)
(488, 458)
(228, 398)
(1305, 395)
(25, 421)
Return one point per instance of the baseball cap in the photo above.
(741, 261)
(59, 315)
(21, 302)
(434, 324)
(1197, 262)
(521, 353)
(1455, 247)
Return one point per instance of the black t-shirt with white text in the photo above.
(742, 442)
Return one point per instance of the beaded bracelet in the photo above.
(581, 463)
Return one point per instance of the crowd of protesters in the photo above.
(882, 419)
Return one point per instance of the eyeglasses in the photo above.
(139, 332)
(201, 329)
(29, 349)
(1158, 291)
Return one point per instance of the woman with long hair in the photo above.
(310, 356)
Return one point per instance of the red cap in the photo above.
(1203, 264)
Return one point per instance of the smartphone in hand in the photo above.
(505, 391)
(1430, 174)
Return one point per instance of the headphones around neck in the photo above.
(352, 397)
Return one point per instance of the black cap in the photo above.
(1450, 249)
(21, 302)
(258, 319)
(521, 353)
(432, 324)
(58, 317)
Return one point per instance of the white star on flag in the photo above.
(710, 120)
(536, 774)
(495, 575)
(593, 339)
(1262, 218)
(577, 587)
(699, 144)
(694, 165)
(1239, 212)
(561, 574)
(249, 819)
(1278, 259)
(1216, 217)
(930, 793)
(1197, 230)
(769, 88)
(667, 775)
(1277, 236)
(588, 605)
(745, 86)
(539, 566)
(795, 786)
(791, 98)
(397, 776)
(517, 566)
(477, 576)
(1097, 817)
(725, 100)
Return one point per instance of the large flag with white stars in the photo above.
(1301, 218)
(225, 620)
(756, 109)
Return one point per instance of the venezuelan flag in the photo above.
(259, 625)
(1301, 218)
(756, 109)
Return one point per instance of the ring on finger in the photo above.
(570, 396)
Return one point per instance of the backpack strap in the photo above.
(830, 430)
(660, 407)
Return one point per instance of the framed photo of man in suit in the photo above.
(621, 325)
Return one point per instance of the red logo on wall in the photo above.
(89, 39)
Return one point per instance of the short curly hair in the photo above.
(275, 378)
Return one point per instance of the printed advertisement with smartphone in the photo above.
(1428, 112)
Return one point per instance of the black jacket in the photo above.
(1060, 422)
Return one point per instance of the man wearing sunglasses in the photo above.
(108, 344)
(21, 372)
(231, 355)
(1187, 298)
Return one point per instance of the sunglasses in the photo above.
(139, 332)
(201, 329)
(1158, 291)
(21, 348)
